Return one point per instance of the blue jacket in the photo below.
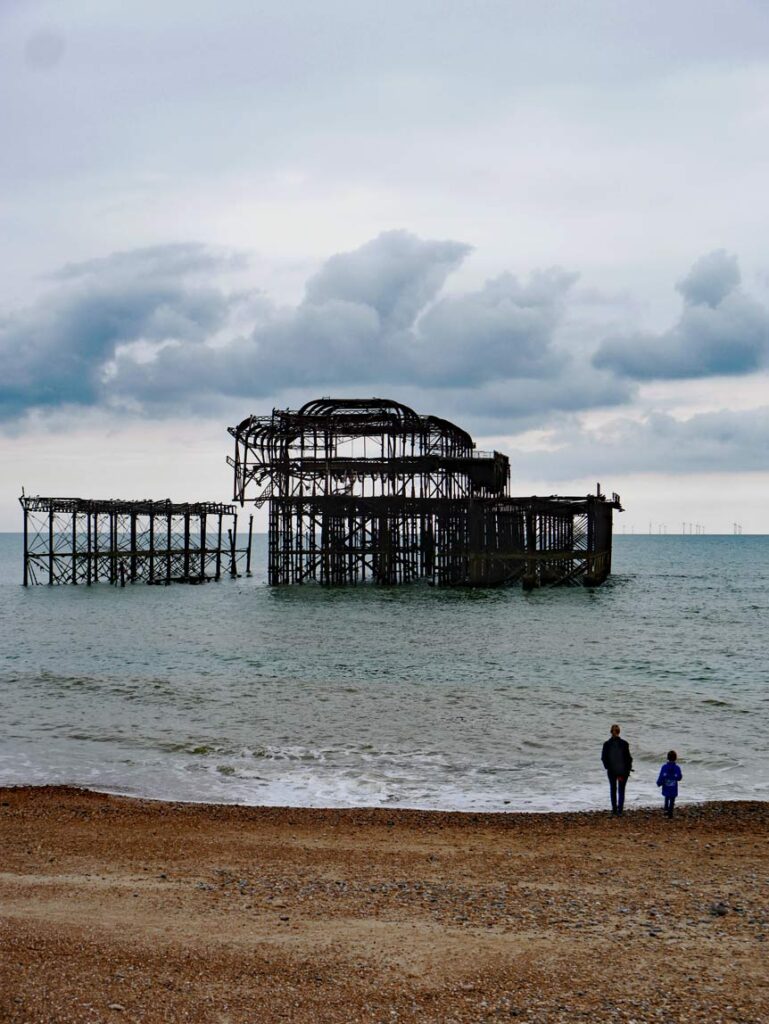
(669, 777)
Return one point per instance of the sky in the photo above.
(545, 221)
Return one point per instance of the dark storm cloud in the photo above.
(721, 330)
(370, 318)
(498, 405)
(56, 352)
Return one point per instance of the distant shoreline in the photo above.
(52, 791)
(388, 809)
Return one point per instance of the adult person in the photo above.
(618, 763)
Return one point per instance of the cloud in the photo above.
(711, 279)
(730, 440)
(396, 275)
(164, 261)
(145, 331)
(56, 353)
(373, 318)
(504, 403)
(504, 330)
(721, 330)
(44, 49)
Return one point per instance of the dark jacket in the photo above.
(616, 756)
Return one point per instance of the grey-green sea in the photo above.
(410, 697)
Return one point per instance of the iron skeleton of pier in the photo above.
(368, 490)
(85, 541)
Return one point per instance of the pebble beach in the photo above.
(127, 910)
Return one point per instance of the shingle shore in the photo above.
(115, 909)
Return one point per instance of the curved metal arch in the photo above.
(333, 407)
(447, 427)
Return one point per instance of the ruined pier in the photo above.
(88, 541)
(368, 490)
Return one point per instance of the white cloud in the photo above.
(721, 330)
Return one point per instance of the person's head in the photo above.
(672, 755)
(614, 730)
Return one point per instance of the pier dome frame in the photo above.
(368, 490)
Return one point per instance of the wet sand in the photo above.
(115, 909)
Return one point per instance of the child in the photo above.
(669, 777)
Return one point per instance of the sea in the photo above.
(473, 700)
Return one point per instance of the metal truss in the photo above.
(368, 490)
(83, 541)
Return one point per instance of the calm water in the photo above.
(405, 697)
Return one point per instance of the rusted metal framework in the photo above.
(368, 490)
(84, 541)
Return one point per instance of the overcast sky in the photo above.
(543, 220)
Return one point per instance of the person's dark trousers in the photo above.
(617, 792)
(669, 805)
